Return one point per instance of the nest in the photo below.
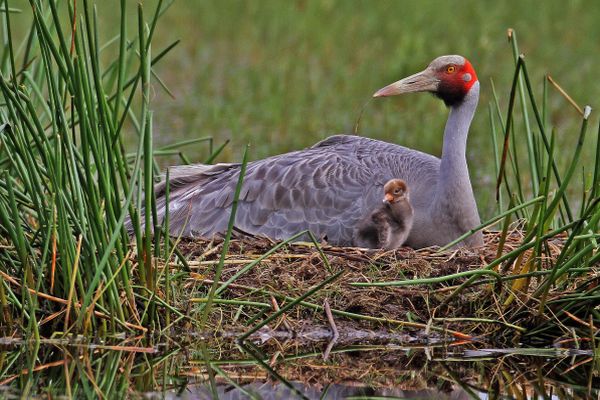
(434, 308)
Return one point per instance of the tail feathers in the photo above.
(180, 177)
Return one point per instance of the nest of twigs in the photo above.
(437, 308)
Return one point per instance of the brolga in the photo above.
(330, 187)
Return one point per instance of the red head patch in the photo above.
(456, 76)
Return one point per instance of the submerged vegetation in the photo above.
(68, 266)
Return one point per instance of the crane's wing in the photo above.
(326, 189)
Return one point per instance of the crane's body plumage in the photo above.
(330, 187)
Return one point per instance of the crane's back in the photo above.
(326, 189)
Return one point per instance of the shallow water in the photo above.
(277, 367)
(272, 391)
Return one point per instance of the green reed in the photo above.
(68, 185)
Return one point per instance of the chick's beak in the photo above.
(424, 81)
(388, 198)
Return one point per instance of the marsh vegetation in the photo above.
(87, 124)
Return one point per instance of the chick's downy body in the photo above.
(388, 226)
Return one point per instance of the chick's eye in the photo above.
(396, 191)
(450, 69)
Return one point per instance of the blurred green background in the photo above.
(282, 75)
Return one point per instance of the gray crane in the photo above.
(330, 187)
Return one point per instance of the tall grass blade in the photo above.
(505, 147)
(219, 269)
(531, 149)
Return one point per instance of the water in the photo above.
(188, 367)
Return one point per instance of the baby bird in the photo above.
(388, 226)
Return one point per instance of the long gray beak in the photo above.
(424, 81)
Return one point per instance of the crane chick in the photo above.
(389, 225)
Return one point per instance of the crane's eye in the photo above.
(450, 69)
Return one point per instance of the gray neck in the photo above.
(454, 184)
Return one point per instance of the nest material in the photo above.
(294, 269)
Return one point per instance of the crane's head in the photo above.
(448, 77)
(395, 190)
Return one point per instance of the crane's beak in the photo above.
(424, 81)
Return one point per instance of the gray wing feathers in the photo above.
(187, 175)
(327, 188)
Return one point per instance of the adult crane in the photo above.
(330, 187)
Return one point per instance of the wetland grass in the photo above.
(69, 267)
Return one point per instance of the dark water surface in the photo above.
(191, 368)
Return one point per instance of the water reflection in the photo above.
(284, 370)
(273, 391)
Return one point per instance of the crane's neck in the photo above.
(454, 185)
